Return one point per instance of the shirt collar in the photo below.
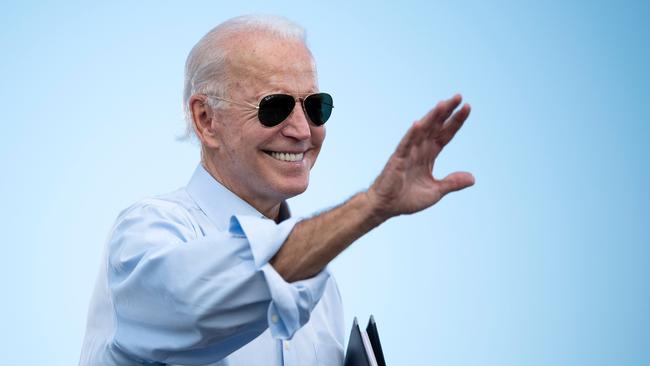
(219, 203)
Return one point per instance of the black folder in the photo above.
(373, 334)
(364, 348)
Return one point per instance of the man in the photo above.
(217, 273)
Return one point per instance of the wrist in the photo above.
(375, 212)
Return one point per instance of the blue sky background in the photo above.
(545, 261)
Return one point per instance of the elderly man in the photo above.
(217, 273)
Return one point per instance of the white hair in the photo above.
(206, 65)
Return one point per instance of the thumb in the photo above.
(455, 182)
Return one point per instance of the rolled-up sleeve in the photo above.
(291, 302)
(188, 299)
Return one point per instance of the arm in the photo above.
(405, 186)
(183, 298)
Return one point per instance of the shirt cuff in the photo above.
(291, 303)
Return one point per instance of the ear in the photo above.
(202, 117)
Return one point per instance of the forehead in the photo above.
(263, 62)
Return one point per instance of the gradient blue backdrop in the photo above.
(545, 261)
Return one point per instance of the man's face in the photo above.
(245, 159)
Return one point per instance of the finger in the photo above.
(435, 114)
(453, 124)
(455, 182)
(435, 119)
(406, 143)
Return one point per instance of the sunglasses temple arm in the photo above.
(244, 104)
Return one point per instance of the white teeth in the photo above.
(287, 156)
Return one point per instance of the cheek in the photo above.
(242, 142)
(318, 136)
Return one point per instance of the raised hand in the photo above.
(406, 184)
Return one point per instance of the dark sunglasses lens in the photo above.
(275, 108)
(319, 107)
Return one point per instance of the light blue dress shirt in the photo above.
(185, 280)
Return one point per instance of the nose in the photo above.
(297, 125)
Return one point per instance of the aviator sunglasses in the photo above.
(275, 108)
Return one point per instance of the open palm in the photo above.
(406, 184)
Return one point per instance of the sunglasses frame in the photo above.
(300, 99)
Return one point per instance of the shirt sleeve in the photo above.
(186, 299)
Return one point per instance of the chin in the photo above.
(293, 187)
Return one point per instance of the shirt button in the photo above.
(274, 318)
(286, 345)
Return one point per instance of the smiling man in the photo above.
(263, 166)
(217, 272)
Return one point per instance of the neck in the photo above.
(268, 208)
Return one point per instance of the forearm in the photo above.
(314, 242)
(405, 186)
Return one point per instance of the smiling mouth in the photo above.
(285, 156)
